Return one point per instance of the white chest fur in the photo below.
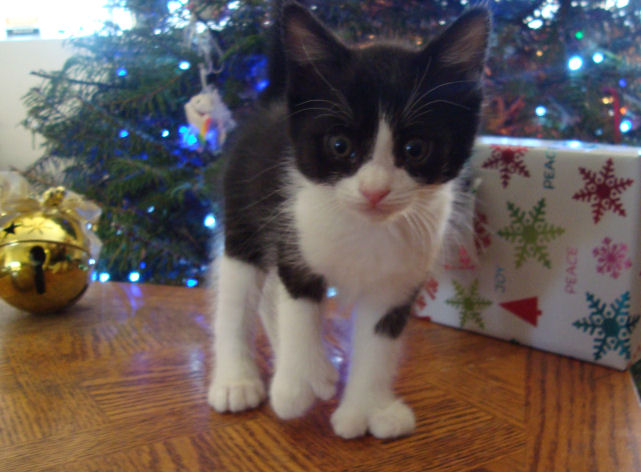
(361, 256)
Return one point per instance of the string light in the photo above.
(121, 72)
(191, 283)
(575, 63)
(134, 276)
(123, 133)
(104, 277)
(625, 126)
(540, 111)
(184, 65)
(597, 57)
(210, 221)
(164, 133)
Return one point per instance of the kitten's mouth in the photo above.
(379, 212)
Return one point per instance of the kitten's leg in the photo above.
(302, 371)
(369, 403)
(236, 384)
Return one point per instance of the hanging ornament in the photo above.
(208, 115)
(47, 249)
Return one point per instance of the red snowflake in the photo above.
(431, 287)
(612, 258)
(603, 189)
(482, 237)
(464, 261)
(508, 160)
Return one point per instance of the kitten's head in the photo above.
(384, 122)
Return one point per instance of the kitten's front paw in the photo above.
(236, 394)
(393, 421)
(290, 397)
(349, 422)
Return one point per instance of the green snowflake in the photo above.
(469, 303)
(612, 327)
(529, 231)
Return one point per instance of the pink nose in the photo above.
(375, 196)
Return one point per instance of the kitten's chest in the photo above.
(354, 254)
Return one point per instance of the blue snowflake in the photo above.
(612, 326)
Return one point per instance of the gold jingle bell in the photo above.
(45, 258)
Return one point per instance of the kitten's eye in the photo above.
(416, 150)
(339, 146)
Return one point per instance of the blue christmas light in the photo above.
(575, 63)
(134, 276)
(164, 133)
(191, 283)
(597, 57)
(123, 133)
(625, 126)
(210, 221)
(151, 209)
(121, 72)
(143, 265)
(331, 292)
(183, 129)
(623, 83)
(540, 111)
(262, 85)
(104, 277)
(184, 65)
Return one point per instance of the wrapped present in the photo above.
(555, 262)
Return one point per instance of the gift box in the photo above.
(555, 259)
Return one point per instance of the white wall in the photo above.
(18, 58)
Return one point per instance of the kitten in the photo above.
(344, 177)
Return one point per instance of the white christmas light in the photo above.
(134, 276)
(575, 63)
(184, 65)
(597, 57)
(104, 277)
(540, 110)
(535, 24)
(210, 221)
(625, 126)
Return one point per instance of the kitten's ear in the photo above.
(463, 45)
(306, 40)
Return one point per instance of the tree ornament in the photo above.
(47, 248)
(208, 115)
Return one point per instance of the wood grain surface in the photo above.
(119, 383)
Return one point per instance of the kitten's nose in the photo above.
(375, 196)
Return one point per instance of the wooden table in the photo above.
(118, 383)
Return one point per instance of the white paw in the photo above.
(322, 378)
(236, 394)
(290, 397)
(396, 419)
(294, 389)
(392, 420)
(349, 422)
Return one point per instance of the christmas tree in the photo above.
(114, 118)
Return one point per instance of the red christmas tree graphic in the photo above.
(603, 189)
(507, 159)
(527, 309)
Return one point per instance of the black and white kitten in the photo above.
(346, 179)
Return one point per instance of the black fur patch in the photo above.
(302, 283)
(393, 323)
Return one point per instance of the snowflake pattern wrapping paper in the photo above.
(557, 231)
